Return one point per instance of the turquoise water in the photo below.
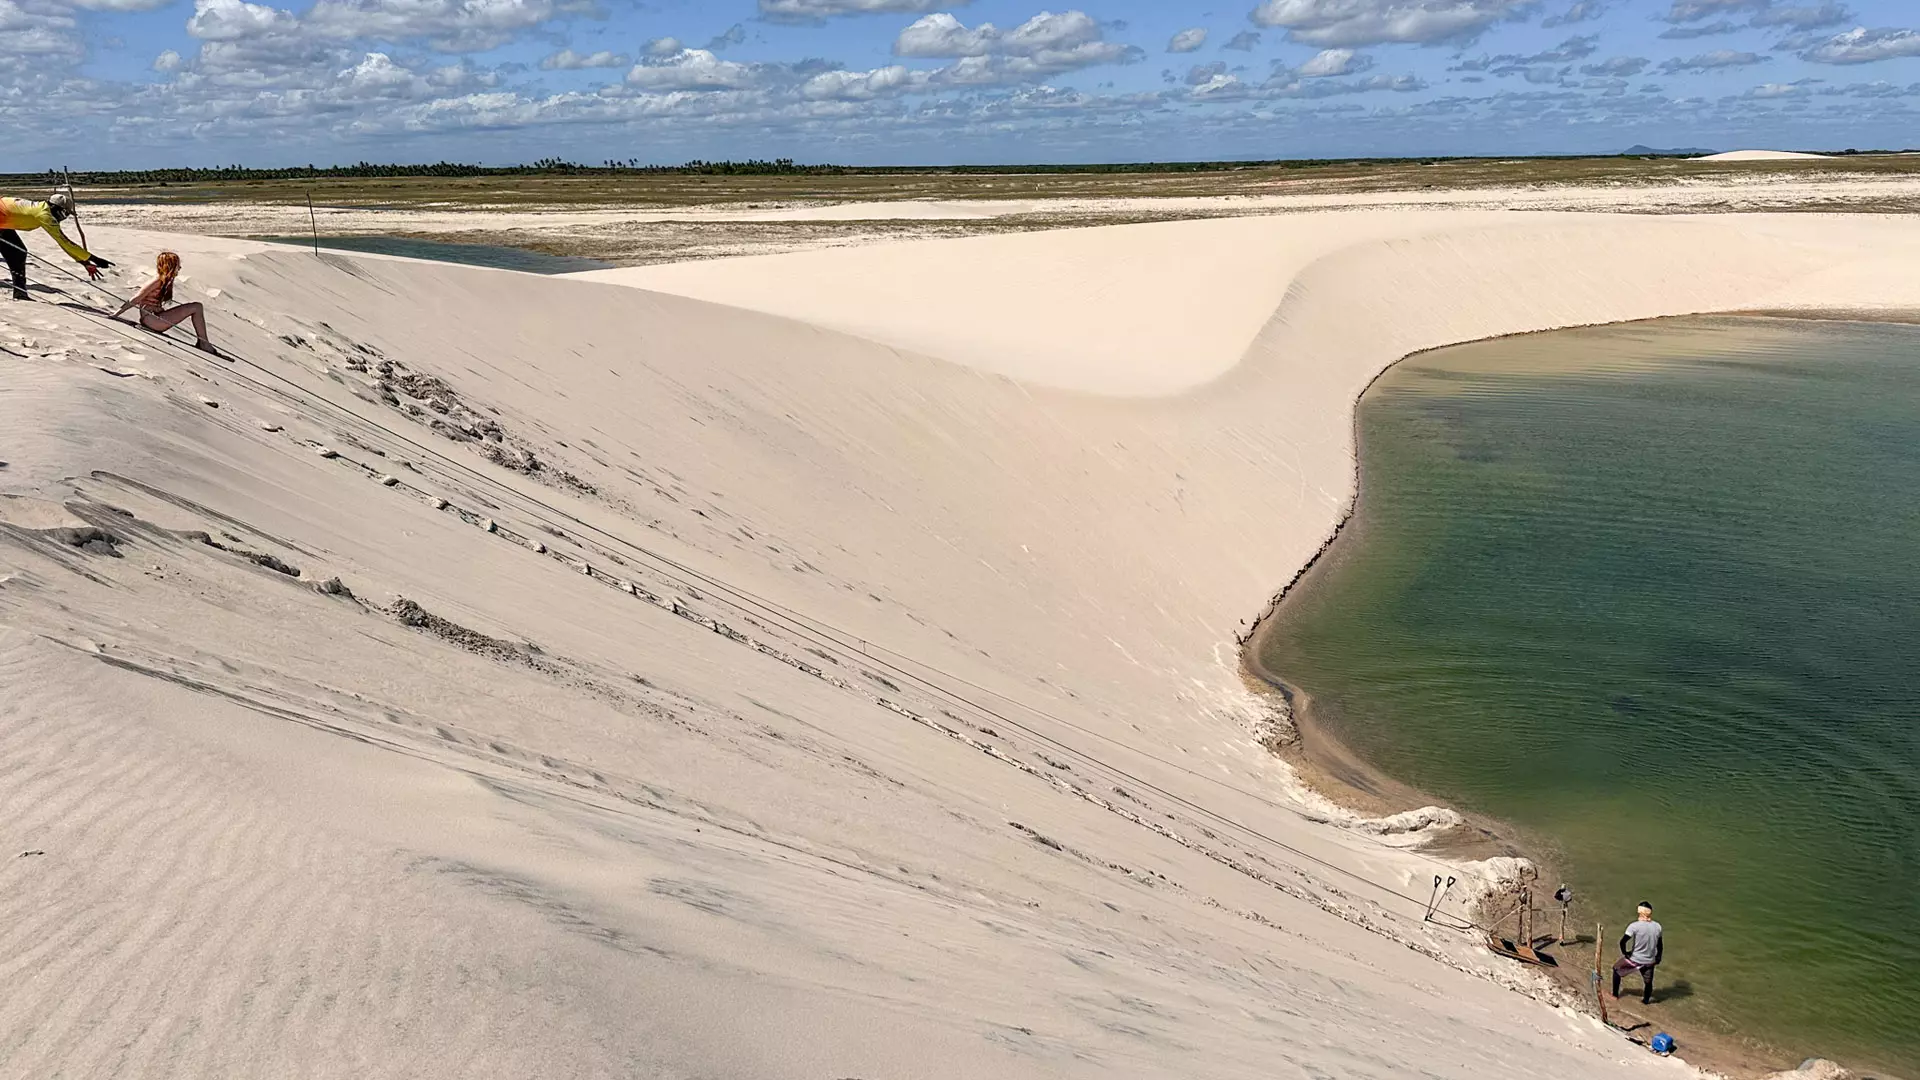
(1652, 594)
(496, 256)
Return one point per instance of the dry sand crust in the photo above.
(818, 665)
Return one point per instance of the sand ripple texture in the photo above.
(639, 685)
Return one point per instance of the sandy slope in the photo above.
(723, 825)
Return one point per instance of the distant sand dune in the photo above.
(916, 746)
(1760, 155)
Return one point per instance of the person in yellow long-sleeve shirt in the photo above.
(18, 216)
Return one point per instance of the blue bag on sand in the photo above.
(1663, 1043)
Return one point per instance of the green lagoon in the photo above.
(1651, 593)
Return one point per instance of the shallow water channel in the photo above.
(497, 256)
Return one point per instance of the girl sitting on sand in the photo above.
(156, 316)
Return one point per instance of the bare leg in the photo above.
(176, 315)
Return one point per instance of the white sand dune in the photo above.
(1760, 155)
(918, 747)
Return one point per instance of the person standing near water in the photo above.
(1641, 948)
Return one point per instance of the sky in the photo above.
(98, 84)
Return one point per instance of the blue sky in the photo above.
(128, 83)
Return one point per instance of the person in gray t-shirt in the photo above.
(1641, 948)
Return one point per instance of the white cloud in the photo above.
(888, 81)
(1399, 84)
(167, 61)
(695, 69)
(1694, 10)
(1342, 23)
(1712, 61)
(1863, 46)
(1048, 62)
(448, 25)
(460, 76)
(1202, 74)
(120, 5)
(665, 46)
(1047, 32)
(235, 20)
(1581, 11)
(41, 41)
(1578, 47)
(1617, 66)
(1188, 40)
(1544, 67)
(1807, 17)
(813, 11)
(568, 60)
(1244, 41)
(376, 75)
(1330, 62)
(981, 71)
(1221, 87)
(1046, 45)
(1714, 28)
(38, 28)
(944, 37)
(1324, 76)
(1876, 89)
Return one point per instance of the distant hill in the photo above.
(1648, 151)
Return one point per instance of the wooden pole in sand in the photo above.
(314, 223)
(67, 175)
(1599, 980)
